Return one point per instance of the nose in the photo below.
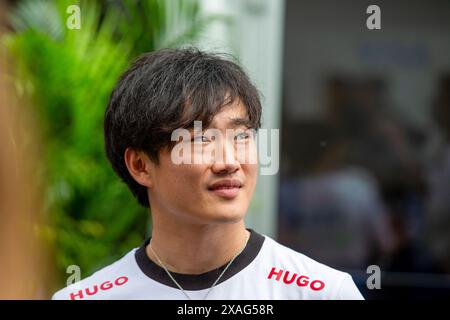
(226, 162)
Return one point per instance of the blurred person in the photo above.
(385, 145)
(200, 247)
(332, 209)
(438, 209)
(23, 273)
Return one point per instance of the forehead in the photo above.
(231, 116)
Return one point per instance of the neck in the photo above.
(196, 249)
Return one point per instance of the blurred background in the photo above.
(364, 119)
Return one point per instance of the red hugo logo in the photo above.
(302, 281)
(95, 289)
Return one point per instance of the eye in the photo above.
(242, 136)
(199, 139)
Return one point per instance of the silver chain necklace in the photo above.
(215, 282)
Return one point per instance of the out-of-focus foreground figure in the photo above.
(21, 260)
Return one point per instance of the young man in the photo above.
(198, 183)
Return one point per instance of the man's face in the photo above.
(218, 189)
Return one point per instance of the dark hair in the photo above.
(165, 90)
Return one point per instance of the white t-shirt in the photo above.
(264, 270)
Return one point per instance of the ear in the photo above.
(139, 166)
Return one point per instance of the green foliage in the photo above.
(68, 75)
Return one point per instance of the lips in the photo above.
(227, 188)
(226, 184)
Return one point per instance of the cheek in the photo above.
(181, 181)
(247, 153)
(251, 174)
(176, 190)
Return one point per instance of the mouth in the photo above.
(228, 189)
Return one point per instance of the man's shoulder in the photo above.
(106, 281)
(285, 256)
(292, 267)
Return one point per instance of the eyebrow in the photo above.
(233, 122)
(236, 122)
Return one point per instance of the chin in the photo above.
(226, 216)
